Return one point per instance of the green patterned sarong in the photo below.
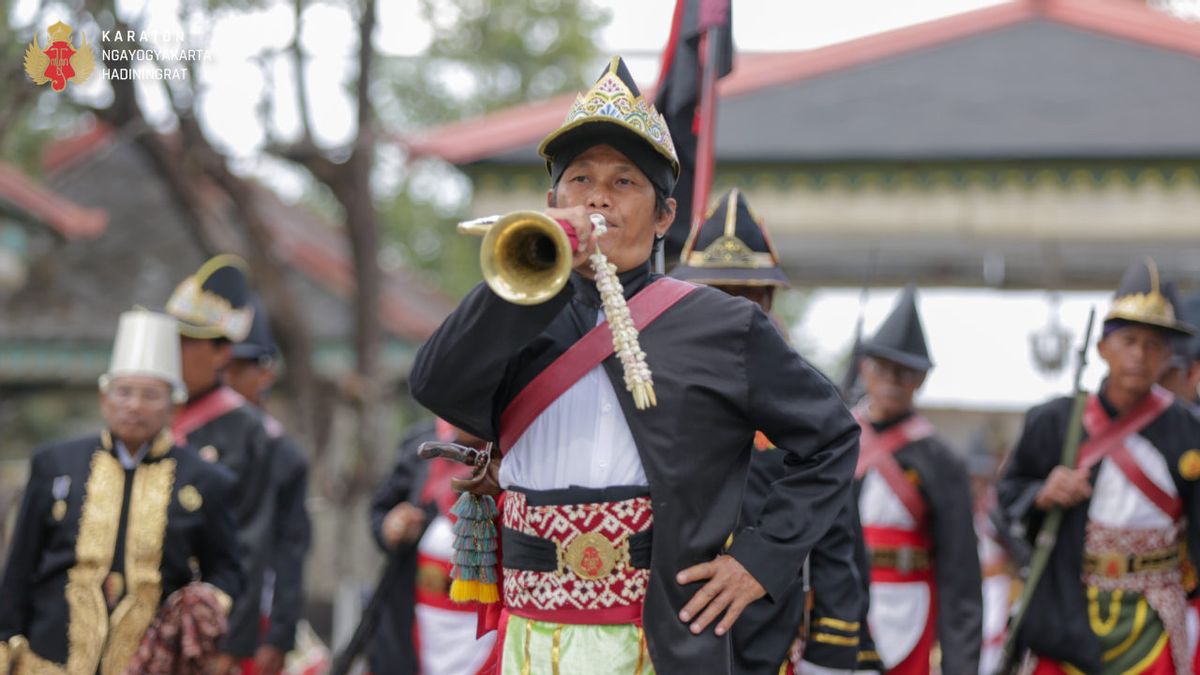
(1131, 634)
(541, 648)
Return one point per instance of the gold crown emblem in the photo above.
(60, 62)
(59, 32)
(1151, 307)
(728, 250)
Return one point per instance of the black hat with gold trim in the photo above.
(613, 112)
(1144, 297)
(901, 338)
(259, 344)
(731, 248)
(214, 302)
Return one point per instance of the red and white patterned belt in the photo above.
(1141, 560)
(578, 555)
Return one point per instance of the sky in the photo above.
(979, 338)
(638, 30)
(979, 341)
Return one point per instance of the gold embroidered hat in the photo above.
(731, 247)
(614, 112)
(215, 301)
(1143, 296)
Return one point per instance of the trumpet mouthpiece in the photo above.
(477, 226)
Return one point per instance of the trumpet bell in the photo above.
(525, 257)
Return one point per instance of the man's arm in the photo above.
(292, 540)
(801, 412)
(397, 487)
(840, 594)
(27, 542)
(1037, 452)
(458, 371)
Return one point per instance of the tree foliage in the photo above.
(482, 56)
(485, 55)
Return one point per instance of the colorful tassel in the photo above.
(474, 559)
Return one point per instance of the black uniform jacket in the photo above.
(293, 535)
(92, 536)
(766, 629)
(239, 441)
(721, 371)
(1056, 624)
(946, 487)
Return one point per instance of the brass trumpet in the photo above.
(525, 256)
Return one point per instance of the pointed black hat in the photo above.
(731, 247)
(215, 301)
(901, 337)
(1145, 297)
(259, 344)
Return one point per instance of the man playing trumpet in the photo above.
(614, 514)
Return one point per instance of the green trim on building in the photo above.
(28, 362)
(1066, 174)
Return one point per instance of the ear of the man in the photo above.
(663, 221)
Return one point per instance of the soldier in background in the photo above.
(1183, 372)
(1113, 597)
(411, 522)
(731, 251)
(251, 373)
(214, 312)
(914, 499)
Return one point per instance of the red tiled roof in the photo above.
(62, 153)
(67, 218)
(513, 128)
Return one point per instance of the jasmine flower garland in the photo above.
(638, 380)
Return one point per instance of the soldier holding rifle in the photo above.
(1113, 594)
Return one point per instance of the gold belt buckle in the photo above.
(592, 556)
(1112, 565)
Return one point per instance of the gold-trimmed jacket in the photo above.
(97, 548)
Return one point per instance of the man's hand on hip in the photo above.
(729, 590)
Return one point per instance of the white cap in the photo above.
(147, 344)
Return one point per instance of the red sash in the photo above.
(207, 409)
(877, 451)
(589, 352)
(1106, 439)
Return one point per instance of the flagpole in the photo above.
(706, 117)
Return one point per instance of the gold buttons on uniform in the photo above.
(189, 498)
